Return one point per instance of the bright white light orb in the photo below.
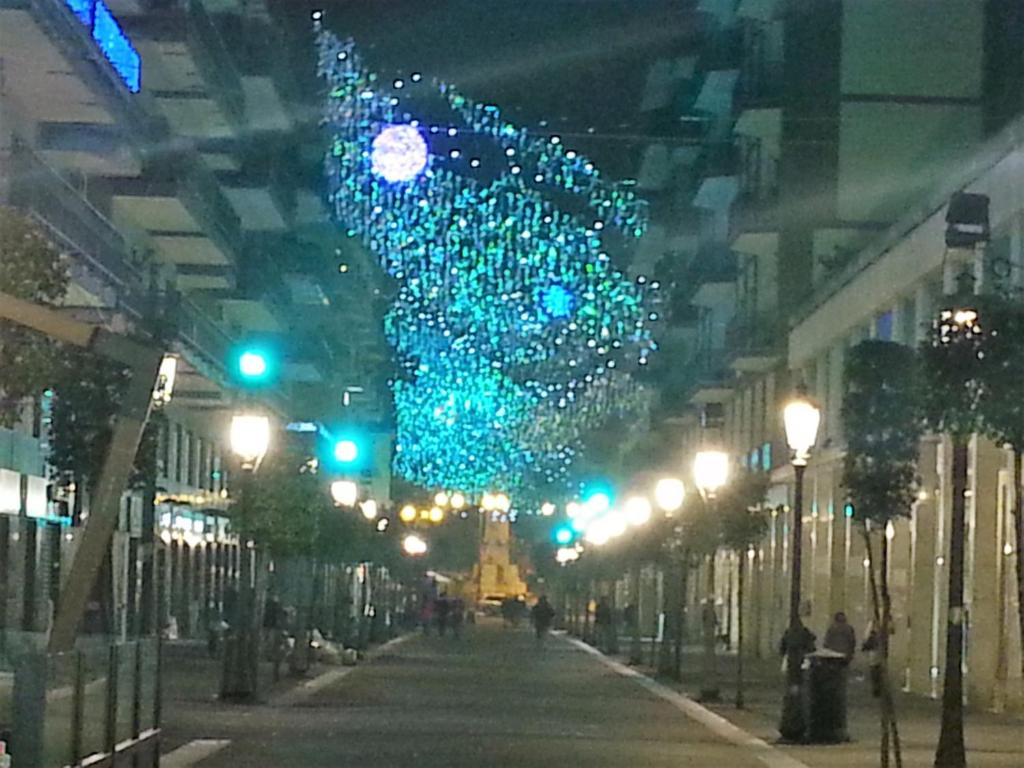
(670, 494)
(414, 545)
(638, 510)
(345, 493)
(399, 153)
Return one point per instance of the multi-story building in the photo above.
(157, 144)
(818, 200)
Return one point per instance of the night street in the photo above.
(490, 699)
(691, 329)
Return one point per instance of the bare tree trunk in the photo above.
(636, 655)
(709, 690)
(950, 752)
(881, 605)
(741, 574)
(670, 602)
(1018, 530)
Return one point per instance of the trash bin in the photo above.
(826, 722)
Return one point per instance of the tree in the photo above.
(883, 425)
(696, 536)
(30, 268)
(952, 357)
(1002, 409)
(743, 521)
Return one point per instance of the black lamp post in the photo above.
(801, 418)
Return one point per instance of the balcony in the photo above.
(189, 69)
(73, 223)
(181, 204)
(755, 341)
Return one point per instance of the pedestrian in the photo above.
(442, 608)
(805, 640)
(873, 648)
(508, 609)
(542, 615)
(604, 623)
(458, 616)
(426, 613)
(841, 637)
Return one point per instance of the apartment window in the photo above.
(766, 457)
(883, 326)
(179, 450)
(164, 450)
(193, 460)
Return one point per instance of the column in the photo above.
(985, 575)
(921, 599)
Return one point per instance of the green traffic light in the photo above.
(346, 451)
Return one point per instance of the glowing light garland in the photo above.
(513, 330)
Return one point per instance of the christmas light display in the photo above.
(513, 329)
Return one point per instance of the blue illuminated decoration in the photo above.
(513, 331)
(557, 301)
(399, 153)
(111, 39)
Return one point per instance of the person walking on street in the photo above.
(458, 616)
(841, 637)
(442, 607)
(542, 615)
(604, 622)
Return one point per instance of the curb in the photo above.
(728, 731)
(329, 677)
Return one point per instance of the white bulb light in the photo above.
(398, 153)
(637, 510)
(414, 545)
(345, 493)
(669, 494)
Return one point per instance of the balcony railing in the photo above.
(752, 333)
(71, 219)
(215, 63)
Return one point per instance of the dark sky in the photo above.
(579, 64)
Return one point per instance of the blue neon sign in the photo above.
(111, 39)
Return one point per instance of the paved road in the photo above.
(490, 700)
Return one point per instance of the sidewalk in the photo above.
(993, 741)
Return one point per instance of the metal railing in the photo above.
(86, 707)
(215, 62)
(70, 218)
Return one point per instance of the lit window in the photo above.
(111, 39)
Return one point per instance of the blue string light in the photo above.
(511, 325)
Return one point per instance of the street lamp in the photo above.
(250, 439)
(413, 545)
(669, 494)
(345, 493)
(458, 501)
(637, 510)
(710, 471)
(801, 418)
(369, 509)
(407, 513)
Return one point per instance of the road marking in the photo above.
(328, 678)
(724, 729)
(191, 753)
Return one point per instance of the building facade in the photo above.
(810, 218)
